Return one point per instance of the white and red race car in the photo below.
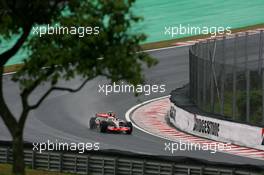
(108, 122)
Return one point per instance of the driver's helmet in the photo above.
(112, 114)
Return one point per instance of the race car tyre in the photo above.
(92, 123)
(129, 124)
(103, 126)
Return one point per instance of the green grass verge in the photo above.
(172, 42)
(5, 169)
(160, 44)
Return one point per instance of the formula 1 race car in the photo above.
(108, 122)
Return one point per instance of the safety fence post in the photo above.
(87, 164)
(172, 168)
(143, 167)
(7, 154)
(33, 163)
(247, 95)
(260, 61)
(75, 164)
(191, 73)
(211, 80)
(115, 166)
(247, 75)
(48, 160)
(262, 96)
(198, 82)
(61, 162)
(222, 88)
(234, 97)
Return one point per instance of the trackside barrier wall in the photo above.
(94, 164)
(216, 129)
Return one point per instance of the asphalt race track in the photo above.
(64, 116)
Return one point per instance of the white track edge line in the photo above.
(132, 109)
(150, 50)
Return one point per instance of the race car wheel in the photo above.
(129, 124)
(103, 126)
(92, 123)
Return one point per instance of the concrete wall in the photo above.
(216, 129)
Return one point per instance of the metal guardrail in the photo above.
(94, 164)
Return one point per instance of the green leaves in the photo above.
(63, 56)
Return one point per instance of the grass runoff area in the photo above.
(159, 44)
(6, 169)
(160, 14)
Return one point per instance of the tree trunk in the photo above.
(18, 154)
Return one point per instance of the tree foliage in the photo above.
(114, 53)
(67, 55)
